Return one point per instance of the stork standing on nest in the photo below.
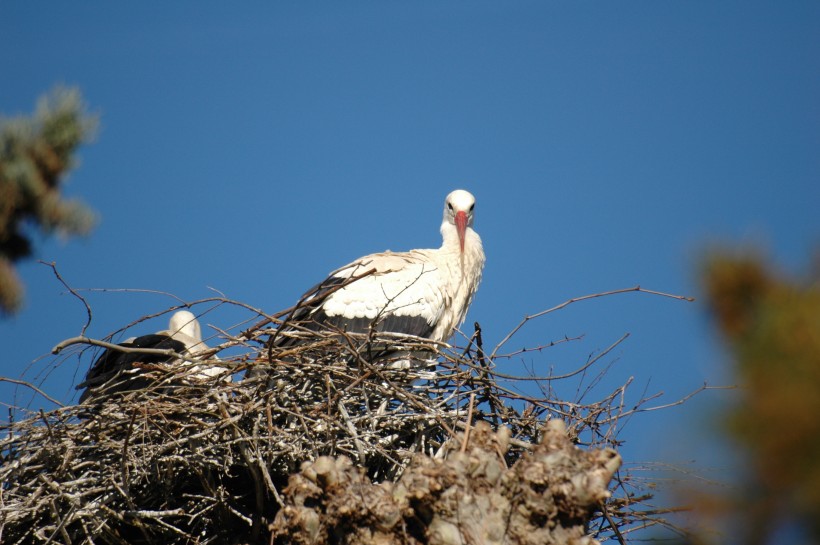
(425, 293)
(120, 371)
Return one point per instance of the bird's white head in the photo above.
(459, 208)
(185, 322)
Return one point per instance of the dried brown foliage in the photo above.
(770, 324)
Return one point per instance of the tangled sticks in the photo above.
(392, 456)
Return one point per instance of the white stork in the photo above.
(425, 293)
(115, 370)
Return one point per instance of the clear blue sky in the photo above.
(253, 149)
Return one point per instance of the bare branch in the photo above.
(578, 299)
(119, 348)
(73, 292)
(32, 387)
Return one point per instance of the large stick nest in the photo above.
(182, 461)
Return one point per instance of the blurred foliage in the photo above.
(770, 323)
(36, 153)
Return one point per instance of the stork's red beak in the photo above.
(461, 227)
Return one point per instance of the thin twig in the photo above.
(583, 298)
(73, 292)
(33, 387)
(468, 424)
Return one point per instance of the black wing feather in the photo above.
(390, 323)
(114, 371)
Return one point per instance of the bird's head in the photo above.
(185, 322)
(459, 207)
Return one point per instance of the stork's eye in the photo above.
(450, 206)
(472, 206)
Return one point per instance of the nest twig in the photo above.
(182, 461)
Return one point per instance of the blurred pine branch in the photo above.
(36, 154)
